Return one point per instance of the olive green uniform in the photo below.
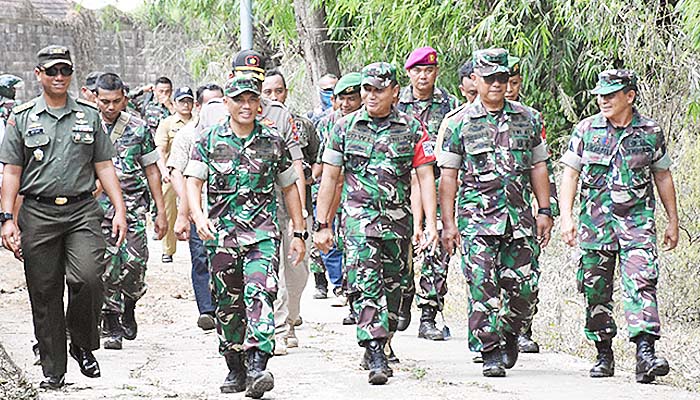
(60, 221)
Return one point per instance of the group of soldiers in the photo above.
(394, 182)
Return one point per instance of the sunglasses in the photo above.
(500, 78)
(53, 71)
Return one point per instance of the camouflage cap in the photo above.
(91, 80)
(249, 62)
(240, 84)
(348, 84)
(380, 75)
(9, 85)
(514, 65)
(612, 80)
(490, 61)
(52, 55)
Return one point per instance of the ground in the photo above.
(172, 358)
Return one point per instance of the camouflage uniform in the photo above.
(126, 270)
(376, 217)
(495, 155)
(154, 112)
(433, 276)
(240, 174)
(617, 220)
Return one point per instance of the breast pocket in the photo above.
(262, 178)
(222, 180)
(481, 158)
(357, 157)
(521, 150)
(36, 146)
(595, 169)
(639, 162)
(401, 156)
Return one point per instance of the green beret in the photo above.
(348, 84)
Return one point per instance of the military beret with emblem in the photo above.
(421, 56)
(348, 84)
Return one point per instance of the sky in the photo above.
(123, 5)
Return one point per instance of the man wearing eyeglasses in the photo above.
(53, 150)
(499, 154)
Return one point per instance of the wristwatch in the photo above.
(545, 211)
(320, 225)
(303, 235)
(5, 216)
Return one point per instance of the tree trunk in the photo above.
(320, 56)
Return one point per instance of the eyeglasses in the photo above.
(500, 78)
(53, 71)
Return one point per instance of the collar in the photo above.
(479, 111)
(394, 116)
(599, 121)
(406, 95)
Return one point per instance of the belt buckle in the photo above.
(59, 201)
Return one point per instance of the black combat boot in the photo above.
(526, 344)
(493, 363)
(389, 351)
(236, 379)
(321, 285)
(510, 350)
(605, 362)
(258, 380)
(114, 332)
(129, 319)
(377, 362)
(648, 365)
(427, 328)
(404, 313)
(364, 364)
(351, 319)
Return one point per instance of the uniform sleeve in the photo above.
(12, 149)
(288, 129)
(451, 150)
(574, 152)
(103, 149)
(335, 146)
(198, 166)
(161, 139)
(540, 152)
(179, 154)
(149, 155)
(314, 143)
(424, 152)
(661, 161)
(286, 175)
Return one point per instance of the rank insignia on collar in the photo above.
(38, 154)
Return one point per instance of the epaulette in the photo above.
(23, 107)
(86, 103)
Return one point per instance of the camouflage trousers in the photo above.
(126, 269)
(432, 283)
(502, 273)
(316, 265)
(639, 271)
(375, 267)
(244, 286)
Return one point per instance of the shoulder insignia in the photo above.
(23, 107)
(86, 103)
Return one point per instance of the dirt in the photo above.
(173, 359)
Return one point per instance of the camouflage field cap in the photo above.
(9, 85)
(241, 84)
(612, 80)
(514, 65)
(91, 80)
(348, 84)
(52, 55)
(490, 61)
(380, 75)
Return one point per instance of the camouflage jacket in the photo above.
(616, 166)
(240, 175)
(431, 112)
(378, 160)
(135, 151)
(6, 106)
(154, 112)
(324, 128)
(494, 155)
(308, 142)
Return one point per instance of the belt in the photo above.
(60, 200)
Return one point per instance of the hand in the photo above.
(568, 230)
(429, 240)
(11, 239)
(161, 225)
(182, 227)
(671, 236)
(450, 238)
(323, 240)
(165, 175)
(148, 88)
(417, 235)
(297, 249)
(544, 229)
(205, 229)
(119, 227)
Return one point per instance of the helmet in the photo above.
(9, 84)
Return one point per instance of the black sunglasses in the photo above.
(53, 71)
(501, 78)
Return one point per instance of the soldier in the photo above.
(274, 114)
(429, 104)
(241, 160)
(53, 150)
(325, 93)
(166, 133)
(135, 163)
(155, 103)
(87, 92)
(617, 153)
(466, 85)
(378, 146)
(346, 96)
(500, 156)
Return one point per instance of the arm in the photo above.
(182, 222)
(153, 177)
(205, 227)
(301, 183)
(335, 204)
(323, 239)
(10, 187)
(161, 141)
(448, 192)
(416, 210)
(293, 203)
(110, 184)
(567, 192)
(540, 186)
(426, 179)
(667, 192)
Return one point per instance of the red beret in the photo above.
(421, 56)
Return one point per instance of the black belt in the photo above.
(60, 200)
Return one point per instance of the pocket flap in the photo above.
(36, 140)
